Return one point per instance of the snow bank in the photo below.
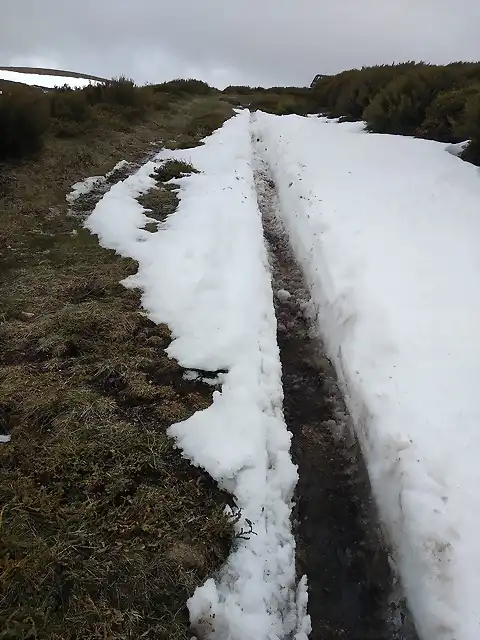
(205, 274)
(47, 81)
(387, 230)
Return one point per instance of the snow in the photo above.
(205, 273)
(191, 375)
(4, 439)
(47, 81)
(458, 148)
(283, 294)
(386, 229)
(84, 187)
(122, 164)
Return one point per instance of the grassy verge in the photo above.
(105, 530)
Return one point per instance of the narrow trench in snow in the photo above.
(353, 592)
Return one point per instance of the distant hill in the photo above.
(42, 71)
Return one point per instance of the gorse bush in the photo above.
(402, 105)
(181, 86)
(122, 92)
(121, 95)
(418, 99)
(26, 113)
(445, 116)
(350, 92)
(70, 105)
(470, 127)
(276, 100)
(24, 119)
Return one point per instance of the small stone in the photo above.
(283, 294)
(25, 315)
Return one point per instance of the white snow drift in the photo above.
(387, 230)
(45, 80)
(205, 274)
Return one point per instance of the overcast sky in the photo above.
(224, 42)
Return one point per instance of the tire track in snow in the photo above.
(353, 592)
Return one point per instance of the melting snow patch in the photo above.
(120, 165)
(205, 274)
(84, 187)
(191, 375)
(4, 438)
(457, 149)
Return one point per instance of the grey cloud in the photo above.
(255, 42)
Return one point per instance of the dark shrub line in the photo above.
(28, 113)
(428, 101)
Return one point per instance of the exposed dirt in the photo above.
(353, 592)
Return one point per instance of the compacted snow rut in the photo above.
(353, 591)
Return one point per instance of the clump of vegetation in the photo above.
(27, 114)
(276, 100)
(445, 117)
(471, 128)
(173, 169)
(181, 86)
(24, 120)
(401, 106)
(423, 100)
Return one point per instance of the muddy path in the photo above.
(353, 591)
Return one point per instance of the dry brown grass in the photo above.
(105, 530)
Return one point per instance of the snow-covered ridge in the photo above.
(205, 273)
(386, 229)
(45, 80)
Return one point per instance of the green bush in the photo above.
(182, 86)
(401, 107)
(123, 92)
(24, 119)
(470, 128)
(444, 119)
(278, 101)
(121, 96)
(70, 105)
(349, 93)
(239, 90)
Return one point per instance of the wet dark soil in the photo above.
(354, 593)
